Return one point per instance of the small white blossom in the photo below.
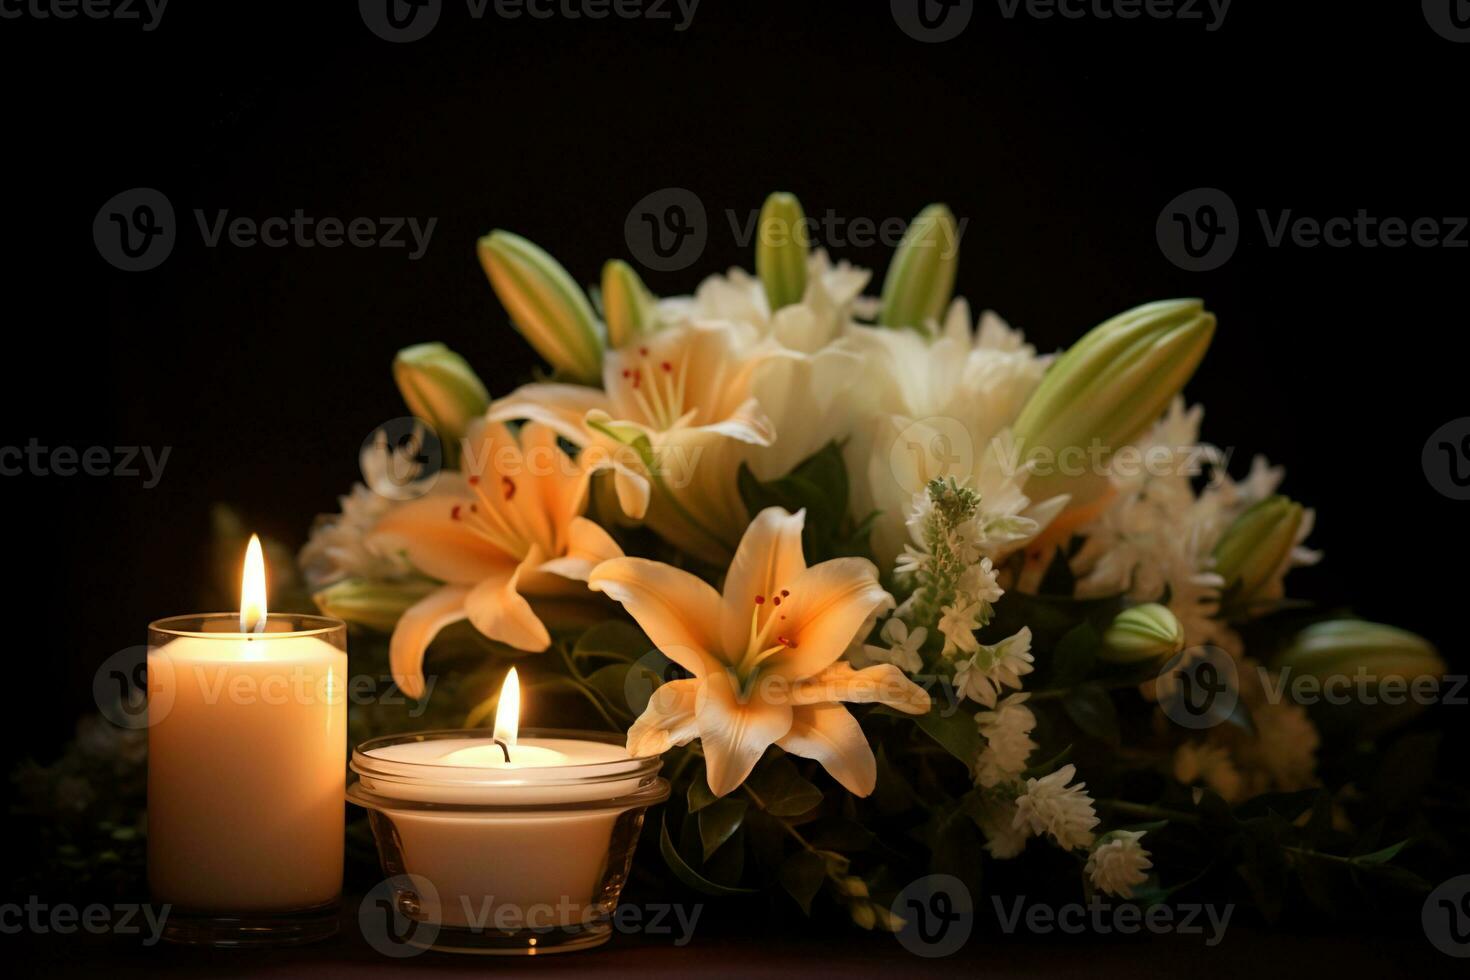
(958, 623)
(1008, 743)
(1051, 806)
(996, 667)
(1118, 862)
(903, 646)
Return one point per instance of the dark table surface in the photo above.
(727, 950)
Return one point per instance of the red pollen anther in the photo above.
(667, 366)
(760, 600)
(785, 642)
(627, 373)
(508, 487)
(454, 513)
(637, 378)
(643, 351)
(474, 480)
(784, 592)
(777, 600)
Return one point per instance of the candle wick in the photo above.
(504, 748)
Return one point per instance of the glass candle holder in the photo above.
(247, 753)
(500, 856)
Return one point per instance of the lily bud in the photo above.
(781, 245)
(546, 305)
(1254, 549)
(1104, 393)
(374, 605)
(1142, 633)
(920, 279)
(441, 388)
(1350, 658)
(626, 303)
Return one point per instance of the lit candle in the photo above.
(246, 769)
(515, 842)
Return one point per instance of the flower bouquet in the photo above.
(896, 593)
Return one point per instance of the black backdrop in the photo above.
(1059, 140)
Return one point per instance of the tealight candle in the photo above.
(506, 843)
(247, 746)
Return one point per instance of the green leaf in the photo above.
(1383, 856)
(819, 485)
(1075, 655)
(1092, 710)
(718, 822)
(688, 875)
(612, 640)
(699, 794)
(955, 731)
(802, 875)
(782, 791)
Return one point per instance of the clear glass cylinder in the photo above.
(499, 858)
(247, 752)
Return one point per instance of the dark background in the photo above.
(1060, 141)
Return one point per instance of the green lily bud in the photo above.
(1142, 633)
(920, 279)
(781, 245)
(1367, 671)
(374, 605)
(626, 302)
(546, 305)
(441, 388)
(1253, 549)
(1104, 393)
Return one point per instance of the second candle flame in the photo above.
(508, 710)
(252, 589)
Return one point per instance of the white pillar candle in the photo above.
(247, 759)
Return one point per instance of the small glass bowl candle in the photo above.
(506, 848)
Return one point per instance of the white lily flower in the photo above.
(511, 529)
(673, 413)
(764, 655)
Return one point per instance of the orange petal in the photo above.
(735, 732)
(416, 629)
(678, 611)
(832, 736)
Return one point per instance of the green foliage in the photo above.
(818, 485)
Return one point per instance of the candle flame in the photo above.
(252, 589)
(508, 710)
